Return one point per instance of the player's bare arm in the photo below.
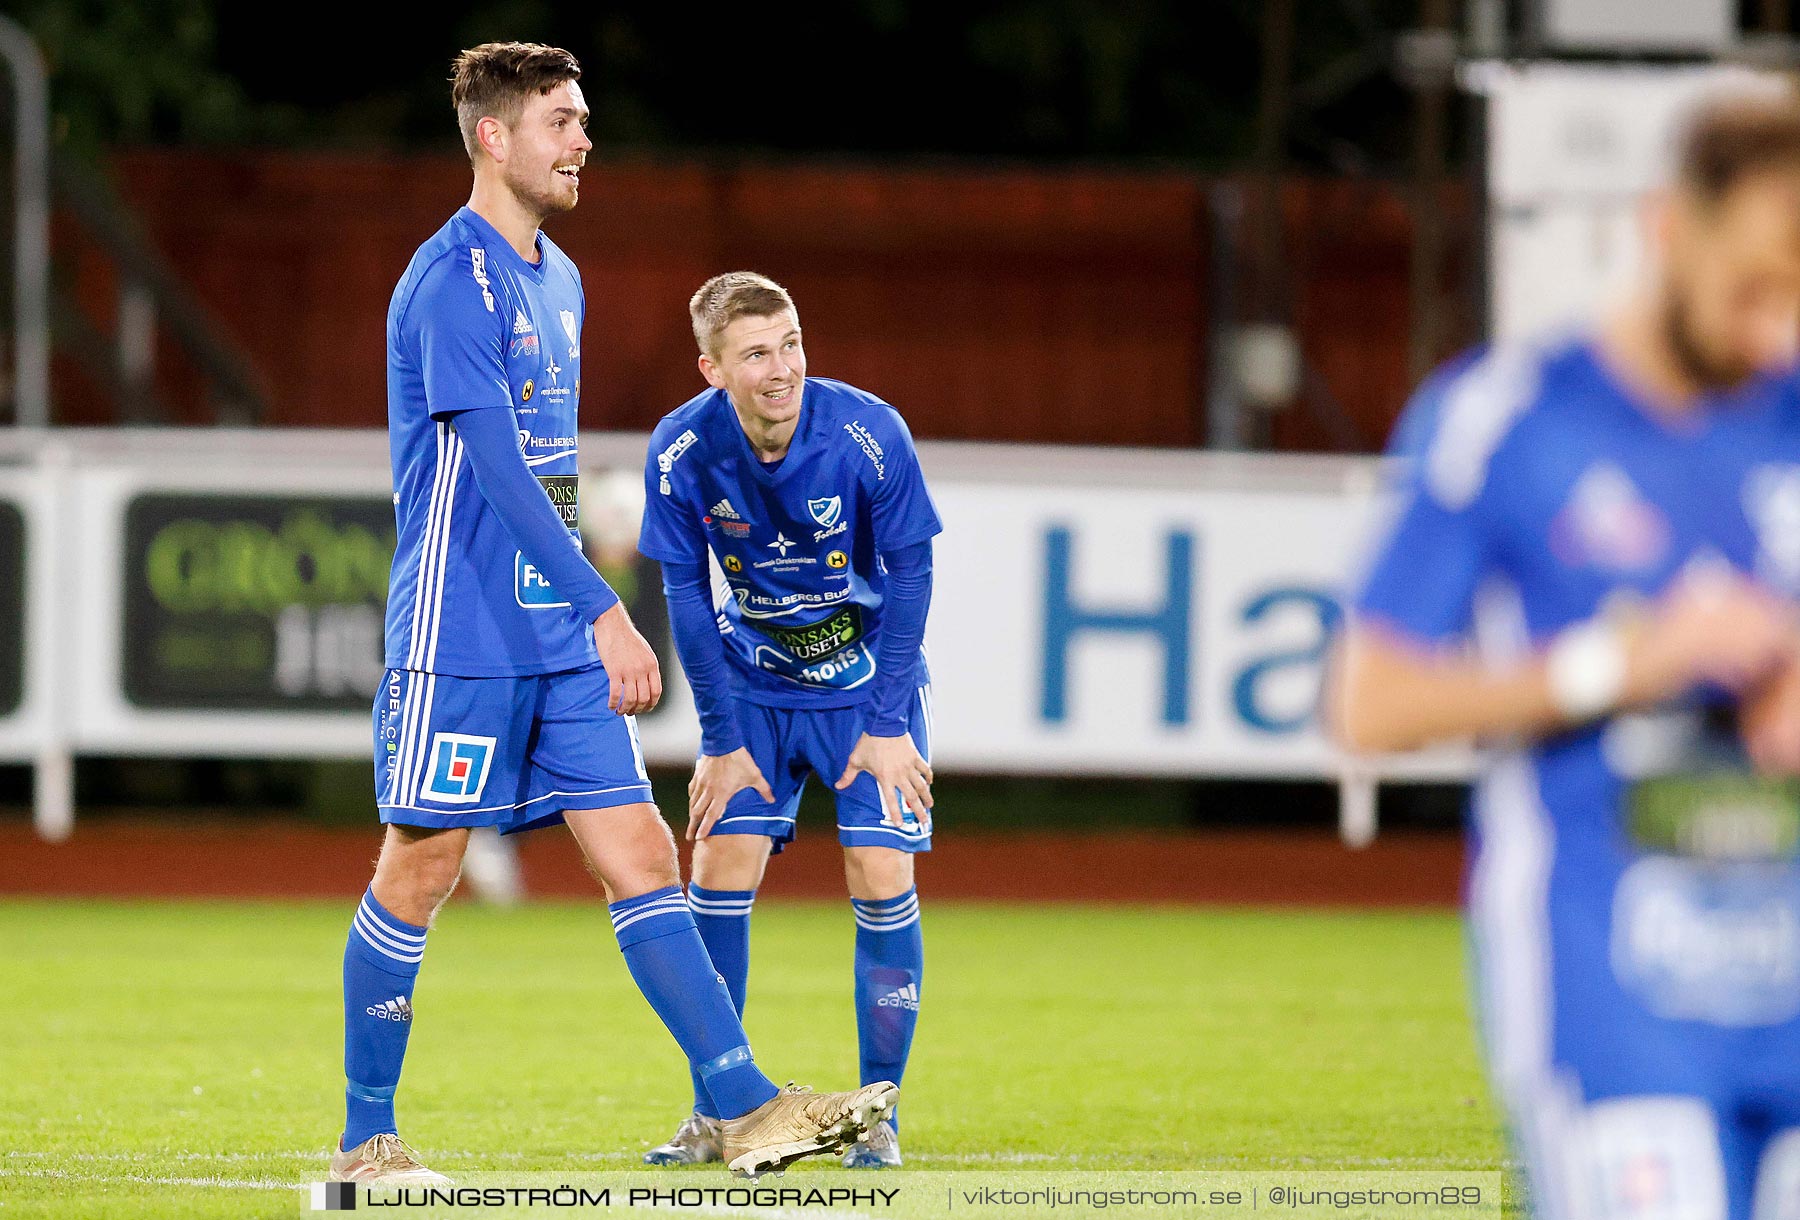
(1388, 692)
(630, 662)
(896, 765)
(718, 778)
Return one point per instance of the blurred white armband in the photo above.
(1586, 669)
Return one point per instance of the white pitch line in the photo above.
(141, 1158)
(150, 1180)
(313, 1155)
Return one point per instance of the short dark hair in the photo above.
(1732, 138)
(724, 299)
(496, 79)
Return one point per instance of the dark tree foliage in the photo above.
(1038, 79)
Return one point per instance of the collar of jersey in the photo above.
(754, 464)
(493, 241)
(1704, 418)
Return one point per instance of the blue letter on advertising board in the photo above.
(1169, 624)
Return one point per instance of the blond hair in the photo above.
(724, 299)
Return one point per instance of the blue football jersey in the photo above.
(472, 326)
(1536, 492)
(797, 545)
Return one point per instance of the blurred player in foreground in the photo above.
(513, 670)
(803, 498)
(1614, 518)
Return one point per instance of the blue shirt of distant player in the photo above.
(473, 326)
(1536, 493)
(796, 543)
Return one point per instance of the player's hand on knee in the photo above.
(631, 667)
(718, 778)
(897, 768)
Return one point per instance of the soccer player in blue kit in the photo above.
(1612, 518)
(513, 671)
(799, 502)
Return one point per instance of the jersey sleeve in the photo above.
(694, 624)
(490, 438)
(1439, 542)
(903, 614)
(461, 340)
(670, 533)
(900, 507)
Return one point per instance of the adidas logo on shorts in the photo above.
(906, 997)
(396, 1009)
(724, 512)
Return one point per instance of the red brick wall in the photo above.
(1006, 304)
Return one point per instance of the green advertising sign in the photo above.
(245, 601)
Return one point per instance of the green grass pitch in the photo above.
(183, 1059)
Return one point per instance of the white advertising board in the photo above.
(1140, 613)
(27, 603)
(1095, 612)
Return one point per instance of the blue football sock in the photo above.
(666, 957)
(723, 917)
(381, 965)
(890, 962)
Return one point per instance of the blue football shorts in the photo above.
(507, 752)
(789, 744)
(1646, 1038)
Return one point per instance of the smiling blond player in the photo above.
(803, 496)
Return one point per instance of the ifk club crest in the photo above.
(568, 321)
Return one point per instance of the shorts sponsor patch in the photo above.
(459, 767)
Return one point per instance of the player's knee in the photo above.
(419, 893)
(656, 844)
(731, 862)
(417, 871)
(874, 873)
(1646, 1158)
(629, 849)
